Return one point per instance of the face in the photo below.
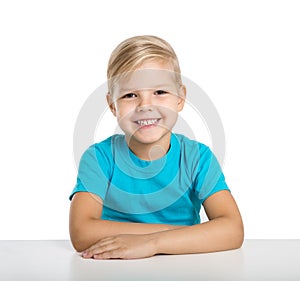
(146, 103)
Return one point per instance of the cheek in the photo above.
(169, 108)
(123, 114)
(170, 116)
(122, 109)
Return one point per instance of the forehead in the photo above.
(146, 79)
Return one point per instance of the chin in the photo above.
(149, 138)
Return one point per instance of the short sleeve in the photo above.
(93, 173)
(210, 178)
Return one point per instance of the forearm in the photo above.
(90, 231)
(215, 235)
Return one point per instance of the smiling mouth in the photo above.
(147, 122)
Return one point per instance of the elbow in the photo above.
(239, 240)
(79, 239)
(78, 245)
(83, 235)
(238, 236)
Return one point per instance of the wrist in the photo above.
(153, 239)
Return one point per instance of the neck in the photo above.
(150, 151)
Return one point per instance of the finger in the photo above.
(88, 252)
(106, 241)
(113, 254)
(108, 238)
(99, 249)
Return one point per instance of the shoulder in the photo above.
(106, 145)
(109, 141)
(188, 145)
(103, 149)
(193, 153)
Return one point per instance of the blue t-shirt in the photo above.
(168, 190)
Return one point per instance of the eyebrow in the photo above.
(148, 88)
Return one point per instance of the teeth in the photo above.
(147, 122)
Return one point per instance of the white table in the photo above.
(56, 260)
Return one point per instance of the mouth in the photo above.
(147, 122)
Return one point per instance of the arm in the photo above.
(86, 227)
(223, 231)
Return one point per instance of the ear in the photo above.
(181, 98)
(111, 103)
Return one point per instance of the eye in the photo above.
(129, 96)
(160, 92)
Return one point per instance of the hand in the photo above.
(124, 246)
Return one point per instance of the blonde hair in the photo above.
(132, 52)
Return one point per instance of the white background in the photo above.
(243, 54)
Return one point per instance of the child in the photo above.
(139, 194)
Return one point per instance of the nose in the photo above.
(145, 103)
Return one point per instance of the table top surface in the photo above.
(57, 260)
